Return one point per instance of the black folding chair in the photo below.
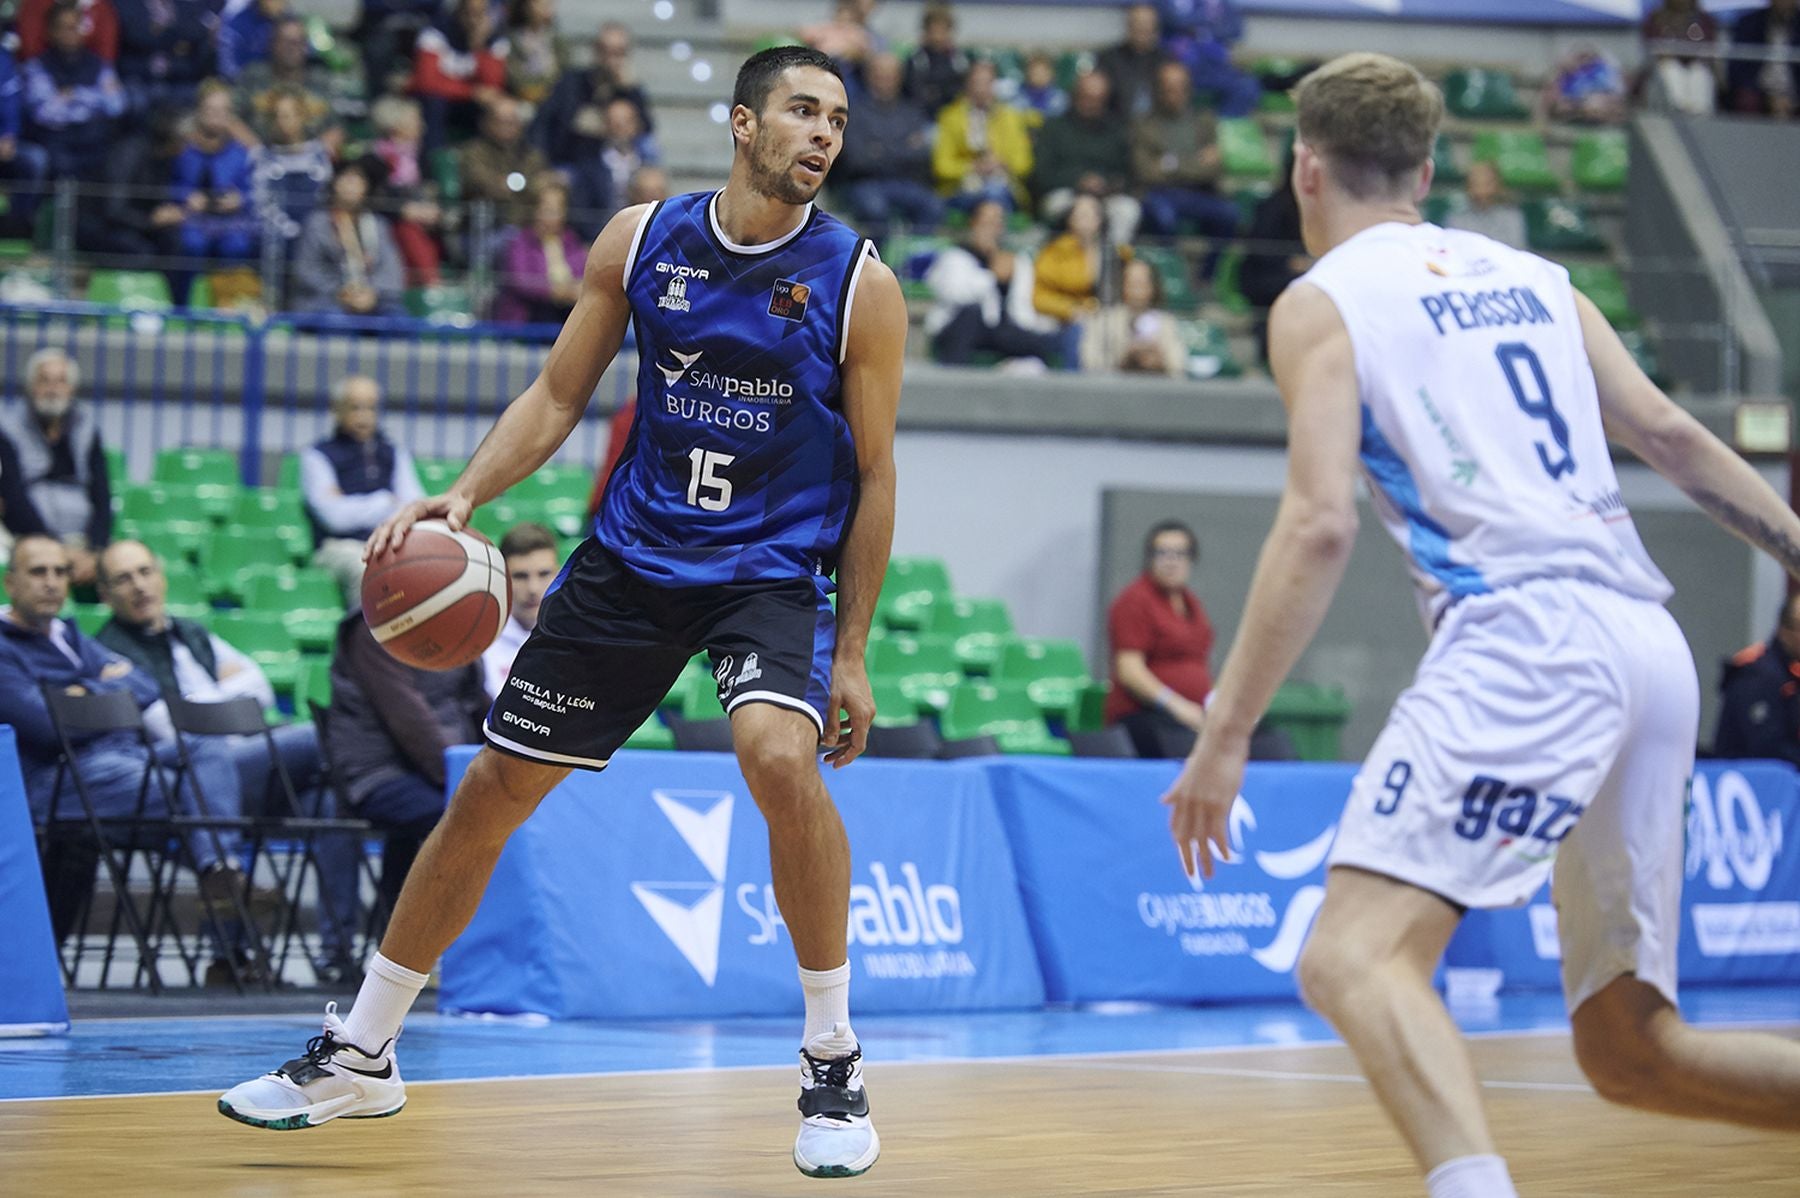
(918, 741)
(161, 838)
(972, 746)
(701, 736)
(375, 921)
(1110, 741)
(296, 822)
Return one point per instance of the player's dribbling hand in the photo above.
(1200, 805)
(451, 508)
(845, 739)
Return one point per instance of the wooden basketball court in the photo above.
(1291, 1121)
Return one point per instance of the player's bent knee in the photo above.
(1325, 971)
(501, 791)
(1621, 1043)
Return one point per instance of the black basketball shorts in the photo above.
(608, 646)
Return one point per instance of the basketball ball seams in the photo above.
(440, 599)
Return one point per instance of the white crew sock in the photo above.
(1471, 1177)
(827, 1000)
(387, 994)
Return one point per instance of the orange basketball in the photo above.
(440, 600)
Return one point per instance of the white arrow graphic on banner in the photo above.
(693, 927)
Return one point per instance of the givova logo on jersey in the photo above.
(675, 290)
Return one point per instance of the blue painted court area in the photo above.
(173, 1055)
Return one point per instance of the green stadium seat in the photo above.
(893, 709)
(1226, 288)
(201, 613)
(116, 472)
(651, 734)
(309, 601)
(194, 466)
(923, 667)
(977, 628)
(1521, 158)
(265, 639)
(1071, 65)
(184, 586)
(1004, 711)
(442, 303)
(695, 695)
(133, 290)
(312, 682)
(1176, 274)
(436, 474)
(1445, 169)
(156, 502)
(234, 555)
(1483, 95)
(1209, 353)
(1090, 712)
(1557, 226)
(1600, 161)
(1440, 206)
(912, 587)
(446, 171)
(180, 542)
(492, 520)
(287, 474)
(1053, 671)
(14, 250)
(1602, 284)
(89, 617)
(276, 513)
(1313, 716)
(551, 483)
(1244, 150)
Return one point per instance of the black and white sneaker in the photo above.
(836, 1137)
(334, 1079)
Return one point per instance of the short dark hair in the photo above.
(25, 540)
(525, 538)
(756, 78)
(1163, 526)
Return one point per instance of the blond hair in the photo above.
(1373, 118)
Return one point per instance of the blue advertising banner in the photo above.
(1113, 915)
(646, 892)
(31, 993)
(1740, 902)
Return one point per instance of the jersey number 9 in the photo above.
(1531, 391)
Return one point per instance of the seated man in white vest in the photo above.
(61, 487)
(352, 481)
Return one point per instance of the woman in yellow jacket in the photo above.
(983, 148)
(1066, 281)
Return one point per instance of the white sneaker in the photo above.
(836, 1138)
(334, 1080)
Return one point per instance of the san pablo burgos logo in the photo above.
(675, 295)
(916, 926)
(1214, 923)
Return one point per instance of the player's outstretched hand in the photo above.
(451, 508)
(845, 739)
(1200, 805)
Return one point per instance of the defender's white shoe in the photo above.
(836, 1138)
(333, 1080)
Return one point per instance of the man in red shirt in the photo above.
(1161, 639)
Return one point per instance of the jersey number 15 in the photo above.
(707, 488)
(1531, 391)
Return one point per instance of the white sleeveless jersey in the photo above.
(1481, 429)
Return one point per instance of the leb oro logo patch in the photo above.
(788, 300)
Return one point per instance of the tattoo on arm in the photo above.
(1752, 528)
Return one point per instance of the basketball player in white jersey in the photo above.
(1552, 721)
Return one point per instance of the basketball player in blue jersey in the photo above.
(1550, 729)
(760, 466)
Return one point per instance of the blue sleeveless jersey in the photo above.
(740, 466)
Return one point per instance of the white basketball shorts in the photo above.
(1550, 725)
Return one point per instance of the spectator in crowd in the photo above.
(541, 264)
(499, 166)
(1489, 212)
(936, 70)
(570, 125)
(389, 726)
(532, 560)
(459, 68)
(625, 151)
(885, 169)
(166, 50)
(1766, 85)
(24, 165)
(212, 178)
(291, 169)
(288, 68)
(419, 221)
(1135, 335)
(846, 37)
(388, 36)
(1586, 86)
(1066, 275)
(1274, 253)
(246, 29)
(1081, 153)
(1131, 66)
(18, 517)
(1689, 81)
(345, 261)
(1175, 159)
(352, 481)
(1039, 92)
(99, 27)
(648, 184)
(133, 217)
(983, 148)
(61, 463)
(72, 98)
(1160, 641)
(38, 649)
(1199, 34)
(1759, 696)
(970, 285)
(534, 56)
